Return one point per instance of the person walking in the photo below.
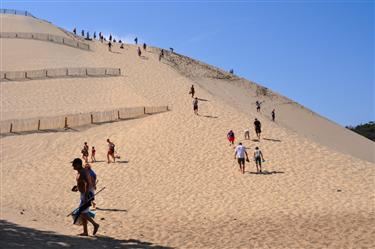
(257, 126)
(195, 106)
(258, 158)
(273, 115)
(83, 186)
(192, 91)
(257, 103)
(93, 152)
(111, 151)
(139, 52)
(85, 152)
(161, 55)
(94, 180)
(240, 153)
(230, 136)
(144, 46)
(136, 40)
(110, 46)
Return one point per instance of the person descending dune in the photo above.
(111, 151)
(84, 185)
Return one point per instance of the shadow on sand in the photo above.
(111, 209)
(122, 161)
(272, 140)
(69, 129)
(15, 133)
(209, 116)
(265, 172)
(13, 236)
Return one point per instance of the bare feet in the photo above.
(96, 228)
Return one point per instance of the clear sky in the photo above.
(318, 53)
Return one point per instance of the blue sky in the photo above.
(318, 53)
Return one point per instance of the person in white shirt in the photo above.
(240, 153)
(258, 158)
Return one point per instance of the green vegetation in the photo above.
(366, 130)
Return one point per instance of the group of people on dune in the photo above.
(240, 150)
(87, 180)
(110, 153)
(86, 185)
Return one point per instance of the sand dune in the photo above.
(177, 184)
(18, 23)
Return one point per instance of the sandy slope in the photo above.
(242, 94)
(18, 23)
(177, 184)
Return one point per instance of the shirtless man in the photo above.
(83, 186)
(111, 151)
(85, 152)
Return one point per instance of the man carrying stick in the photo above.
(83, 186)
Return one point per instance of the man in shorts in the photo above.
(257, 126)
(240, 153)
(84, 185)
(111, 151)
(85, 152)
(258, 158)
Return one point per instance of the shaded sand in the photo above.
(177, 184)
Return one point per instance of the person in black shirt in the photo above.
(257, 126)
(192, 91)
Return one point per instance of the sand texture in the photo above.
(177, 184)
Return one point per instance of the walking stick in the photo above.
(88, 201)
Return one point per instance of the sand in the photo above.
(177, 184)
